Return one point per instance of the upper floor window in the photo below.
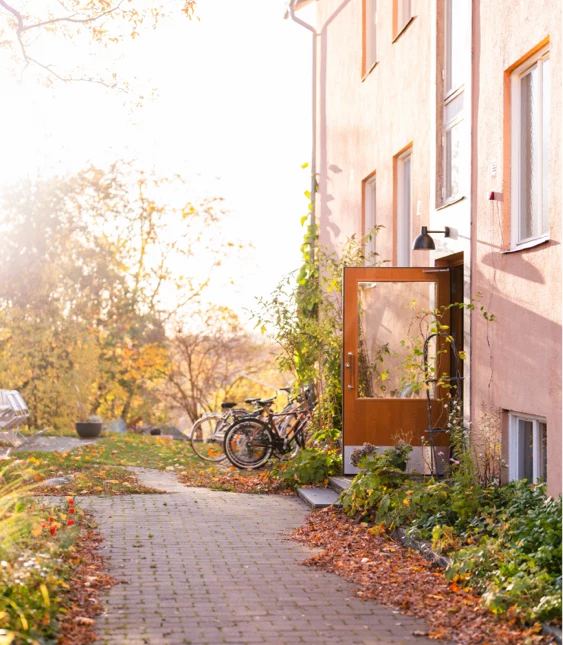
(455, 31)
(403, 13)
(531, 115)
(369, 220)
(370, 32)
(404, 209)
(453, 103)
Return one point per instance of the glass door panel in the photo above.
(387, 336)
(387, 314)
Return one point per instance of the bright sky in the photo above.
(233, 116)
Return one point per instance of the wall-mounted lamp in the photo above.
(424, 242)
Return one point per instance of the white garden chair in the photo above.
(13, 414)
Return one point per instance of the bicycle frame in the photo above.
(284, 444)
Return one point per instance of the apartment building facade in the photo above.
(447, 113)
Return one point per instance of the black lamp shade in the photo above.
(423, 242)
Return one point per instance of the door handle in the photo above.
(350, 366)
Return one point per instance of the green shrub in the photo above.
(505, 542)
(514, 557)
(310, 466)
(384, 493)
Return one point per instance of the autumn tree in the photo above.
(215, 359)
(94, 266)
(37, 35)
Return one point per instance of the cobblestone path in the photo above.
(201, 566)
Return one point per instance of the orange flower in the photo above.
(51, 519)
(70, 501)
(53, 530)
(70, 523)
(71, 510)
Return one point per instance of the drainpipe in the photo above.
(312, 221)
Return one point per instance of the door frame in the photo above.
(384, 417)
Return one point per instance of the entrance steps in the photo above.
(323, 497)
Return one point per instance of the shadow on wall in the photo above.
(525, 355)
(516, 264)
(521, 370)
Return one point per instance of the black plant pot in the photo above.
(88, 430)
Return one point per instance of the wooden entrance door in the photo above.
(380, 403)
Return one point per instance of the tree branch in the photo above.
(72, 19)
(22, 27)
(14, 12)
(48, 69)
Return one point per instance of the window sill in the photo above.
(403, 29)
(451, 202)
(370, 70)
(527, 245)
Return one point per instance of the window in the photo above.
(455, 40)
(369, 219)
(404, 209)
(527, 448)
(403, 13)
(531, 103)
(453, 81)
(370, 28)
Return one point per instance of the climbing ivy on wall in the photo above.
(304, 314)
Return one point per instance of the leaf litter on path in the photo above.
(89, 580)
(235, 481)
(401, 578)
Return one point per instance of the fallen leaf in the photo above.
(83, 620)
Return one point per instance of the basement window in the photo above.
(527, 448)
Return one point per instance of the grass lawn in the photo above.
(98, 468)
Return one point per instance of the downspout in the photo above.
(313, 219)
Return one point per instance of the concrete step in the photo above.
(318, 497)
(338, 484)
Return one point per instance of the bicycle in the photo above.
(251, 442)
(208, 432)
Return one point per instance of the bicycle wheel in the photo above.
(207, 437)
(248, 443)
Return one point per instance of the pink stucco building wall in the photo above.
(367, 117)
(364, 124)
(516, 361)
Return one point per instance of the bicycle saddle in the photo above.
(267, 401)
(228, 405)
(252, 400)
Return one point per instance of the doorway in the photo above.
(382, 400)
(457, 316)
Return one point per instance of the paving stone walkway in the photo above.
(45, 444)
(202, 566)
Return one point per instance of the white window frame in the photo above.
(516, 148)
(513, 446)
(404, 212)
(449, 90)
(370, 35)
(447, 129)
(370, 218)
(451, 94)
(404, 14)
